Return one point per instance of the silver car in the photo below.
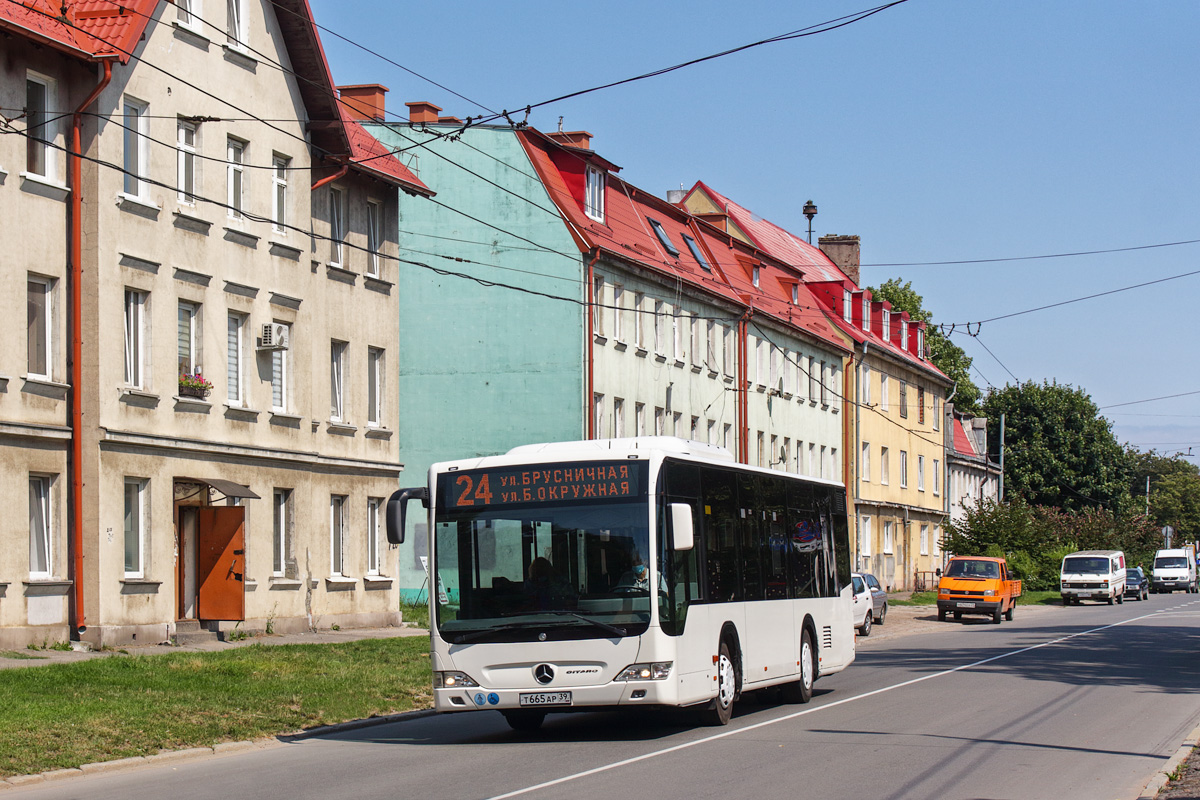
(870, 601)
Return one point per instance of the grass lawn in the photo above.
(1050, 598)
(64, 715)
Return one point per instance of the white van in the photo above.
(1093, 575)
(1174, 569)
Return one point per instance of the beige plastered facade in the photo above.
(139, 429)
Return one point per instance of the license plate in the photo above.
(546, 699)
(966, 605)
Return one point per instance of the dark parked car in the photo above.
(1136, 585)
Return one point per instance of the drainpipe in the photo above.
(743, 388)
(857, 445)
(590, 348)
(341, 173)
(75, 288)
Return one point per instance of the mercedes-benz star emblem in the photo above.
(544, 673)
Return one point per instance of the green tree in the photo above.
(945, 354)
(1058, 450)
(1174, 491)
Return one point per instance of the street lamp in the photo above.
(810, 211)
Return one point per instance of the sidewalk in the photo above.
(10, 659)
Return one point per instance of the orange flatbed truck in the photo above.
(977, 585)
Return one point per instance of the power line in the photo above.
(1151, 400)
(1033, 258)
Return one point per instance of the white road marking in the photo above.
(809, 710)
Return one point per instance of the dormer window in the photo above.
(847, 304)
(795, 294)
(697, 253)
(593, 201)
(921, 350)
(887, 325)
(903, 335)
(754, 276)
(866, 323)
(661, 233)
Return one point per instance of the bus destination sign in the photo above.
(542, 483)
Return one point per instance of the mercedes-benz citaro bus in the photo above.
(629, 572)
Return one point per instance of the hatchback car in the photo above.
(870, 601)
(1136, 585)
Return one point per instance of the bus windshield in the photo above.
(1170, 562)
(512, 570)
(1086, 566)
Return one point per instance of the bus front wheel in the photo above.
(721, 710)
(801, 691)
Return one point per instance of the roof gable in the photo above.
(88, 29)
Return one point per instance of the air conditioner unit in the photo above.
(274, 337)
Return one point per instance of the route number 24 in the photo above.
(482, 494)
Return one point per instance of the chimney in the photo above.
(675, 196)
(843, 251)
(422, 112)
(580, 139)
(365, 101)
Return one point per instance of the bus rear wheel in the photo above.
(524, 720)
(801, 691)
(721, 710)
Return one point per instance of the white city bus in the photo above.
(626, 572)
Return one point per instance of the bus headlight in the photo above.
(452, 680)
(657, 671)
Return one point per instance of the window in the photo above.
(618, 312)
(639, 419)
(659, 422)
(887, 537)
(697, 253)
(924, 539)
(373, 506)
(597, 305)
(903, 335)
(773, 453)
(187, 10)
(337, 352)
(38, 327)
(865, 466)
(663, 238)
(279, 192)
(712, 347)
(337, 225)
(41, 555)
(188, 320)
(937, 413)
(235, 25)
(920, 473)
(795, 294)
(337, 533)
(754, 275)
(712, 432)
(814, 380)
(235, 153)
(864, 537)
(135, 147)
(618, 417)
(920, 406)
(39, 98)
(639, 327)
(824, 384)
(598, 415)
(374, 387)
(660, 346)
(727, 437)
(847, 304)
(811, 465)
(773, 358)
(374, 238)
(695, 434)
(799, 455)
(135, 338)
(281, 538)
(185, 144)
(886, 323)
(835, 467)
(727, 342)
(937, 539)
(866, 384)
(904, 399)
(593, 201)
(677, 335)
(785, 456)
(697, 335)
(921, 343)
(825, 466)
(937, 477)
(235, 331)
(904, 469)
(676, 418)
(279, 378)
(135, 516)
(885, 402)
(885, 467)
(786, 378)
(835, 386)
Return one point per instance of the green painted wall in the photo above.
(481, 369)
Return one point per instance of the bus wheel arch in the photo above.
(800, 690)
(729, 635)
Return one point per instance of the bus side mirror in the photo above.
(681, 526)
(396, 506)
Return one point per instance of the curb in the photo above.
(1159, 779)
(194, 753)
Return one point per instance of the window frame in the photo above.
(903, 469)
(44, 327)
(45, 536)
(186, 161)
(235, 24)
(337, 226)
(281, 516)
(697, 253)
(235, 178)
(374, 238)
(281, 356)
(864, 467)
(374, 506)
(136, 156)
(279, 193)
(235, 342)
(40, 148)
(337, 380)
(375, 386)
(885, 467)
(920, 472)
(337, 535)
(136, 332)
(193, 337)
(593, 193)
(139, 486)
(664, 238)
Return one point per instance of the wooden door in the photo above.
(221, 563)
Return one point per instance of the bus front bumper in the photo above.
(551, 699)
(969, 605)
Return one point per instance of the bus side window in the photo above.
(751, 535)
(719, 498)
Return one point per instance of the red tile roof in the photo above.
(370, 156)
(962, 442)
(88, 29)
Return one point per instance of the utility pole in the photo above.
(1147, 495)
(1001, 458)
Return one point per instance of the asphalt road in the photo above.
(1081, 702)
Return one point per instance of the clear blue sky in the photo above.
(935, 130)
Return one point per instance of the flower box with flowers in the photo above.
(194, 385)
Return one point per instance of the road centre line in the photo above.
(809, 710)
